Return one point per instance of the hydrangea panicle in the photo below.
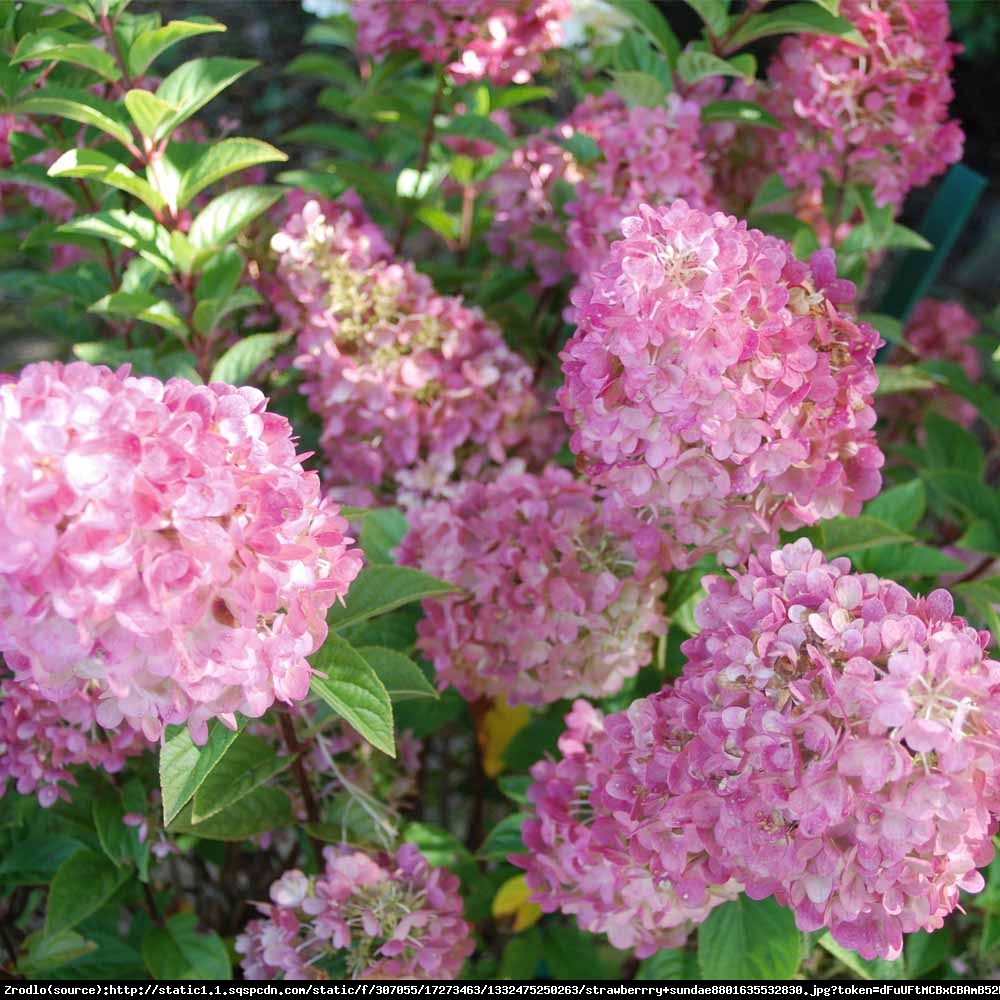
(715, 383)
(413, 388)
(559, 592)
(386, 918)
(615, 841)
(160, 545)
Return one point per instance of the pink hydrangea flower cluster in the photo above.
(559, 592)
(414, 388)
(385, 918)
(936, 331)
(874, 112)
(646, 155)
(498, 40)
(833, 742)
(161, 546)
(715, 383)
(41, 740)
(618, 838)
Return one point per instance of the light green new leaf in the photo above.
(746, 939)
(62, 46)
(180, 951)
(379, 589)
(796, 18)
(84, 882)
(209, 313)
(245, 356)
(89, 163)
(403, 679)
(694, 66)
(184, 765)
(144, 306)
(150, 44)
(43, 952)
(638, 89)
(78, 106)
(654, 24)
(745, 112)
(224, 158)
(347, 683)
(192, 85)
(134, 232)
(148, 111)
(902, 507)
(249, 763)
(878, 968)
(224, 217)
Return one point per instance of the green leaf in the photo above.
(843, 535)
(889, 326)
(512, 97)
(184, 766)
(694, 66)
(379, 589)
(796, 18)
(902, 378)
(980, 394)
(180, 951)
(78, 106)
(403, 679)
(911, 559)
(192, 85)
(84, 882)
(127, 229)
(715, 14)
(45, 952)
(148, 112)
(669, 963)
(245, 356)
(144, 306)
(570, 954)
(248, 763)
(478, 127)
(749, 940)
(262, 810)
(209, 313)
(901, 507)
(347, 683)
(226, 216)
(89, 163)
(150, 44)
(539, 737)
(878, 968)
(118, 841)
(515, 787)
(61, 46)
(654, 24)
(745, 112)
(521, 956)
(950, 446)
(638, 89)
(965, 493)
(381, 531)
(34, 861)
(504, 839)
(224, 158)
(221, 275)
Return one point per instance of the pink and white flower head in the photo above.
(559, 591)
(498, 40)
(645, 155)
(619, 839)
(869, 112)
(850, 732)
(384, 918)
(42, 740)
(161, 547)
(715, 384)
(414, 389)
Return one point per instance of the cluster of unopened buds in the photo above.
(833, 742)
